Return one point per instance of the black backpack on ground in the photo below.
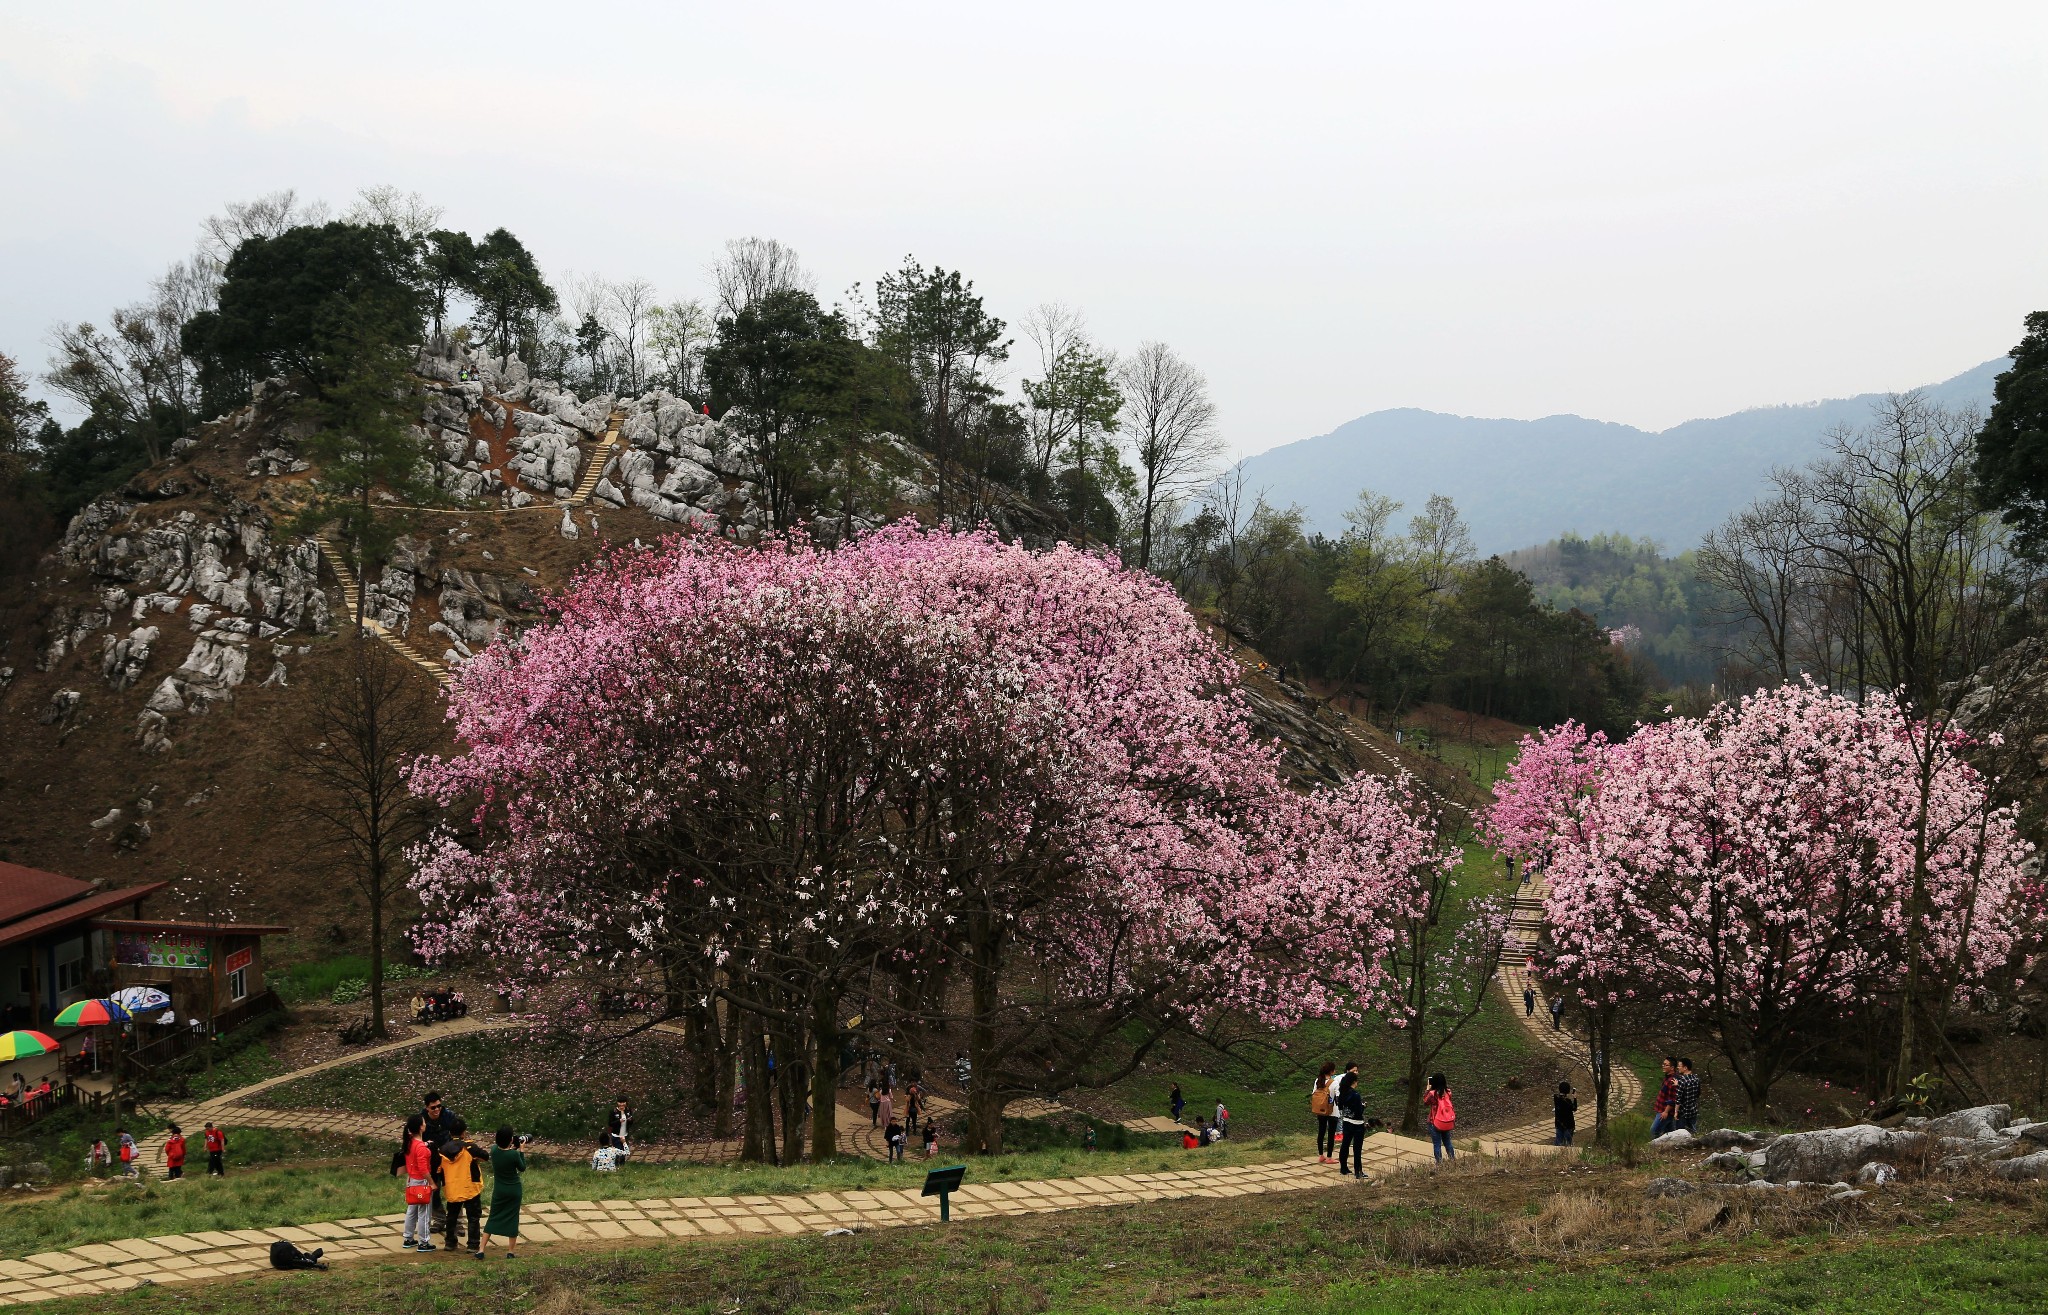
(283, 1255)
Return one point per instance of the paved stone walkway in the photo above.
(186, 1257)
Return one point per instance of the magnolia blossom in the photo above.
(1759, 866)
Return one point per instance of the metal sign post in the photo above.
(942, 1183)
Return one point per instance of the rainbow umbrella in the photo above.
(93, 1013)
(25, 1045)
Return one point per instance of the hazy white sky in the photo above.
(1640, 212)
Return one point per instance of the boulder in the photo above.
(1876, 1174)
(1729, 1139)
(1673, 1140)
(1660, 1189)
(2023, 1168)
(1826, 1154)
(1974, 1124)
(1728, 1162)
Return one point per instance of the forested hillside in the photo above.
(1654, 602)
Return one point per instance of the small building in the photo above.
(211, 970)
(51, 953)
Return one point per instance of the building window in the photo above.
(28, 981)
(238, 984)
(70, 976)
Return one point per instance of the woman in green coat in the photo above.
(507, 1163)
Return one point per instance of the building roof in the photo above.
(78, 910)
(26, 891)
(191, 925)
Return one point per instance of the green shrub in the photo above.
(350, 990)
(1628, 1136)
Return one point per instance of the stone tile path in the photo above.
(186, 1257)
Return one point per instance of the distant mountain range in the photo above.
(1522, 482)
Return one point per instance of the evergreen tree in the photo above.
(2012, 448)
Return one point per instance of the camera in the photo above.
(522, 1139)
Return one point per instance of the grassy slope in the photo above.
(1468, 1248)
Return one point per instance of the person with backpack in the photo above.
(1321, 1104)
(1443, 1117)
(462, 1186)
(1564, 1114)
(216, 1151)
(1222, 1124)
(1351, 1110)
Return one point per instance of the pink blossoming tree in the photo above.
(743, 784)
(1771, 869)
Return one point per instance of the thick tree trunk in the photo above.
(1600, 1052)
(700, 1037)
(824, 1079)
(725, 1043)
(984, 1099)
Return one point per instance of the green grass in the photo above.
(1323, 1253)
(316, 979)
(360, 1185)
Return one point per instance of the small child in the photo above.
(894, 1135)
(174, 1153)
(605, 1159)
(1088, 1138)
(931, 1139)
(98, 1159)
(129, 1166)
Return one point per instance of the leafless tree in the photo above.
(137, 376)
(1054, 330)
(266, 216)
(1171, 424)
(365, 724)
(1759, 573)
(408, 212)
(628, 310)
(753, 267)
(677, 334)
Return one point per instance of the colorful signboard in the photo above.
(240, 959)
(161, 950)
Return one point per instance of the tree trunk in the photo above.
(376, 893)
(824, 1079)
(1600, 1048)
(757, 1142)
(1411, 1116)
(724, 1041)
(700, 1036)
(984, 1099)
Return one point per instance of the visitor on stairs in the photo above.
(1666, 1107)
(1528, 1002)
(1351, 1109)
(1443, 1117)
(1325, 1110)
(1688, 1097)
(1556, 1013)
(1564, 1114)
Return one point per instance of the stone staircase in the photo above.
(607, 448)
(351, 598)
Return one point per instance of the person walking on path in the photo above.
(913, 1105)
(1322, 1104)
(131, 1165)
(1222, 1120)
(892, 1133)
(1688, 1097)
(931, 1138)
(1177, 1101)
(1528, 1001)
(462, 1186)
(1443, 1117)
(1556, 1013)
(1564, 1114)
(507, 1164)
(216, 1151)
(886, 1107)
(418, 1161)
(1351, 1109)
(98, 1159)
(874, 1104)
(1666, 1107)
(173, 1153)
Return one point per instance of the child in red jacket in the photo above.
(174, 1153)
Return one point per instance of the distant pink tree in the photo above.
(737, 781)
(1773, 868)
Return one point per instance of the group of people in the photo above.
(1338, 1103)
(1678, 1098)
(882, 1113)
(30, 1101)
(1204, 1133)
(100, 1160)
(444, 1175)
